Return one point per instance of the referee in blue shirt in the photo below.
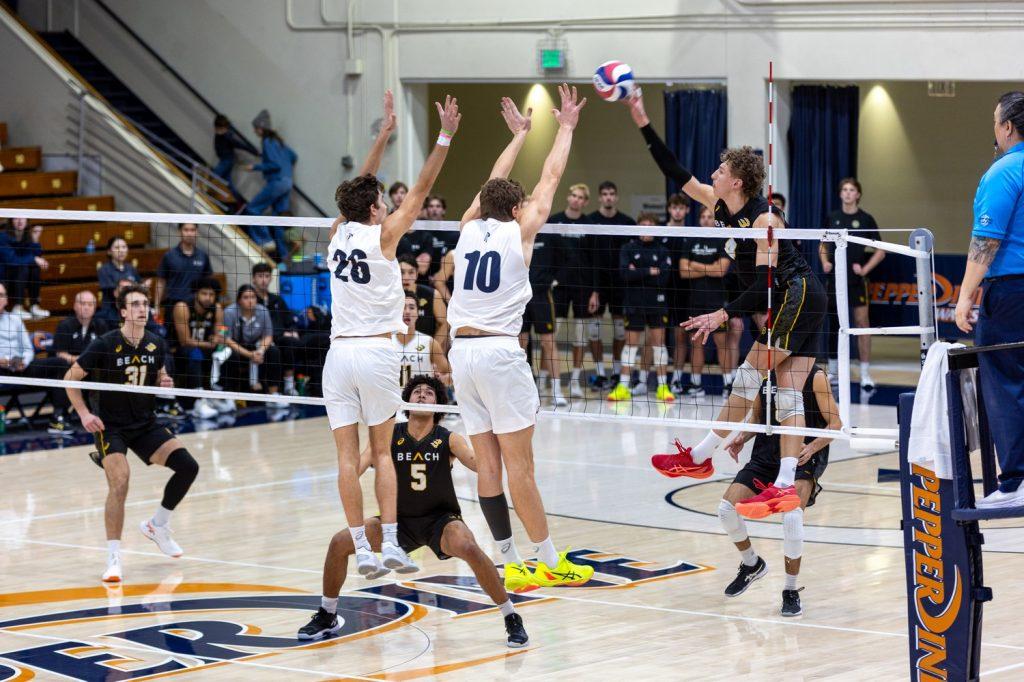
(996, 256)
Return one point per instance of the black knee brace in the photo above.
(185, 469)
(495, 511)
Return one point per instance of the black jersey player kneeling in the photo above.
(423, 452)
(120, 421)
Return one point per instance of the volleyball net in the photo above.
(605, 329)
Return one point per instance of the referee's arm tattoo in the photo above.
(982, 250)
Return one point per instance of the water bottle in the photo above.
(222, 333)
(3, 419)
(318, 260)
(91, 246)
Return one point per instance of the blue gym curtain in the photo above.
(695, 133)
(822, 151)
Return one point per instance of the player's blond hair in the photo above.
(581, 187)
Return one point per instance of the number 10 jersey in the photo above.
(366, 287)
(492, 281)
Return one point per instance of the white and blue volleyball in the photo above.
(614, 80)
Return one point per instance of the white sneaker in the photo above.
(113, 573)
(866, 382)
(161, 535)
(38, 313)
(575, 390)
(224, 405)
(203, 410)
(1001, 500)
(18, 311)
(640, 389)
(396, 559)
(560, 400)
(369, 566)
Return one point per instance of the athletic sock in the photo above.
(330, 605)
(624, 378)
(546, 552)
(728, 377)
(599, 368)
(507, 609)
(662, 380)
(695, 379)
(677, 375)
(790, 582)
(749, 556)
(576, 374)
(642, 376)
(509, 551)
(616, 366)
(113, 548)
(787, 472)
(556, 386)
(359, 538)
(161, 517)
(704, 449)
(390, 532)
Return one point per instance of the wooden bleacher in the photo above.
(23, 185)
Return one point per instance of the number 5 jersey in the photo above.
(366, 289)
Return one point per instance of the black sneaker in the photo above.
(677, 386)
(59, 427)
(600, 382)
(791, 603)
(172, 410)
(517, 637)
(745, 576)
(694, 391)
(322, 624)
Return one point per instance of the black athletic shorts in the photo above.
(540, 313)
(856, 288)
(424, 531)
(655, 317)
(611, 299)
(765, 470)
(707, 295)
(142, 440)
(678, 296)
(799, 319)
(572, 297)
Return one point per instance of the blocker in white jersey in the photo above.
(492, 278)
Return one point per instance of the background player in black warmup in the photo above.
(799, 309)
(678, 293)
(195, 339)
(858, 266)
(822, 413)
(541, 316)
(121, 421)
(606, 264)
(577, 286)
(429, 515)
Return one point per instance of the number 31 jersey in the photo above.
(110, 359)
(366, 287)
(492, 281)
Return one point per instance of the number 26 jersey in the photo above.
(110, 359)
(366, 287)
(492, 281)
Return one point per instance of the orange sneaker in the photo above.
(681, 464)
(771, 500)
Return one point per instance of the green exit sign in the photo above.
(552, 59)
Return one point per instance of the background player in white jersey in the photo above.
(418, 353)
(360, 377)
(493, 382)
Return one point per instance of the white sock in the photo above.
(616, 366)
(599, 368)
(662, 379)
(113, 548)
(507, 609)
(749, 556)
(642, 376)
(543, 375)
(695, 379)
(790, 582)
(390, 532)
(576, 374)
(359, 538)
(703, 450)
(162, 516)
(556, 386)
(864, 368)
(509, 551)
(329, 605)
(546, 551)
(289, 383)
(624, 378)
(787, 472)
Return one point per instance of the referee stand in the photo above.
(941, 532)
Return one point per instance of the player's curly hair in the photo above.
(748, 166)
(440, 392)
(122, 296)
(498, 197)
(357, 196)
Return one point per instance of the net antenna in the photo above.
(769, 322)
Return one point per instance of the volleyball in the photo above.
(614, 80)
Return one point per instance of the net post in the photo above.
(843, 352)
(922, 240)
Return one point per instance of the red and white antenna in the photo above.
(769, 322)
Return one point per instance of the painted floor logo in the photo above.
(189, 633)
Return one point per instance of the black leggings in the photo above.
(236, 371)
(22, 280)
(52, 368)
(190, 372)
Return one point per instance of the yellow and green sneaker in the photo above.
(565, 573)
(620, 393)
(518, 579)
(664, 394)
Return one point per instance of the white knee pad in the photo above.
(731, 521)
(579, 333)
(789, 402)
(620, 328)
(594, 330)
(747, 382)
(660, 356)
(629, 355)
(792, 533)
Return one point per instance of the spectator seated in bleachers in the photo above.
(178, 271)
(73, 334)
(193, 343)
(15, 345)
(255, 362)
(24, 263)
(116, 268)
(286, 336)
